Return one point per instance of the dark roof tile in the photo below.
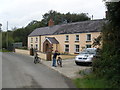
(70, 28)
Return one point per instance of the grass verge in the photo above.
(91, 81)
(4, 50)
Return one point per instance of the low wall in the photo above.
(21, 51)
(42, 55)
(67, 56)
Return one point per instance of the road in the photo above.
(19, 71)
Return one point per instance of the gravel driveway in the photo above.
(69, 69)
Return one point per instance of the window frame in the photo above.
(88, 38)
(31, 40)
(88, 45)
(66, 48)
(36, 40)
(77, 48)
(67, 38)
(77, 37)
(31, 46)
(36, 46)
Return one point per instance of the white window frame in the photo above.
(88, 45)
(87, 37)
(31, 40)
(77, 48)
(36, 40)
(36, 46)
(66, 48)
(31, 46)
(77, 37)
(67, 38)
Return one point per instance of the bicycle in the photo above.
(37, 59)
(59, 61)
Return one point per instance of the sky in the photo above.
(19, 13)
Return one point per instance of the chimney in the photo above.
(51, 22)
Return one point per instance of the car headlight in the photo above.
(76, 57)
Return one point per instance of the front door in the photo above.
(47, 47)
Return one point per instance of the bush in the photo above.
(108, 65)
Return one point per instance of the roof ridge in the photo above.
(73, 23)
(70, 28)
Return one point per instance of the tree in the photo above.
(109, 64)
(59, 18)
(21, 34)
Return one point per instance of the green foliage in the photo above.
(91, 81)
(7, 37)
(59, 18)
(97, 41)
(108, 64)
(4, 50)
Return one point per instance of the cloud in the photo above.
(20, 12)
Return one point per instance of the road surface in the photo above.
(19, 71)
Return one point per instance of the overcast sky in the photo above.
(19, 13)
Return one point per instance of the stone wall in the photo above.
(21, 51)
(42, 55)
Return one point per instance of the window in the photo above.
(36, 46)
(88, 46)
(88, 37)
(36, 39)
(77, 48)
(77, 37)
(66, 48)
(67, 37)
(31, 40)
(31, 45)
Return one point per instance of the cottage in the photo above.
(66, 38)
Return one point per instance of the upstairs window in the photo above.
(36, 39)
(88, 37)
(67, 38)
(77, 38)
(31, 40)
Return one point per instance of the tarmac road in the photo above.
(19, 71)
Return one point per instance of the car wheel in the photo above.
(77, 63)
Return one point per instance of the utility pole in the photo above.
(92, 17)
(7, 36)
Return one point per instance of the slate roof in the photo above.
(52, 40)
(70, 28)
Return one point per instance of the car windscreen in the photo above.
(88, 52)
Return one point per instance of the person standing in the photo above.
(54, 58)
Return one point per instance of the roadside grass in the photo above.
(91, 81)
(4, 50)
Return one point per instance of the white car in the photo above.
(85, 56)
